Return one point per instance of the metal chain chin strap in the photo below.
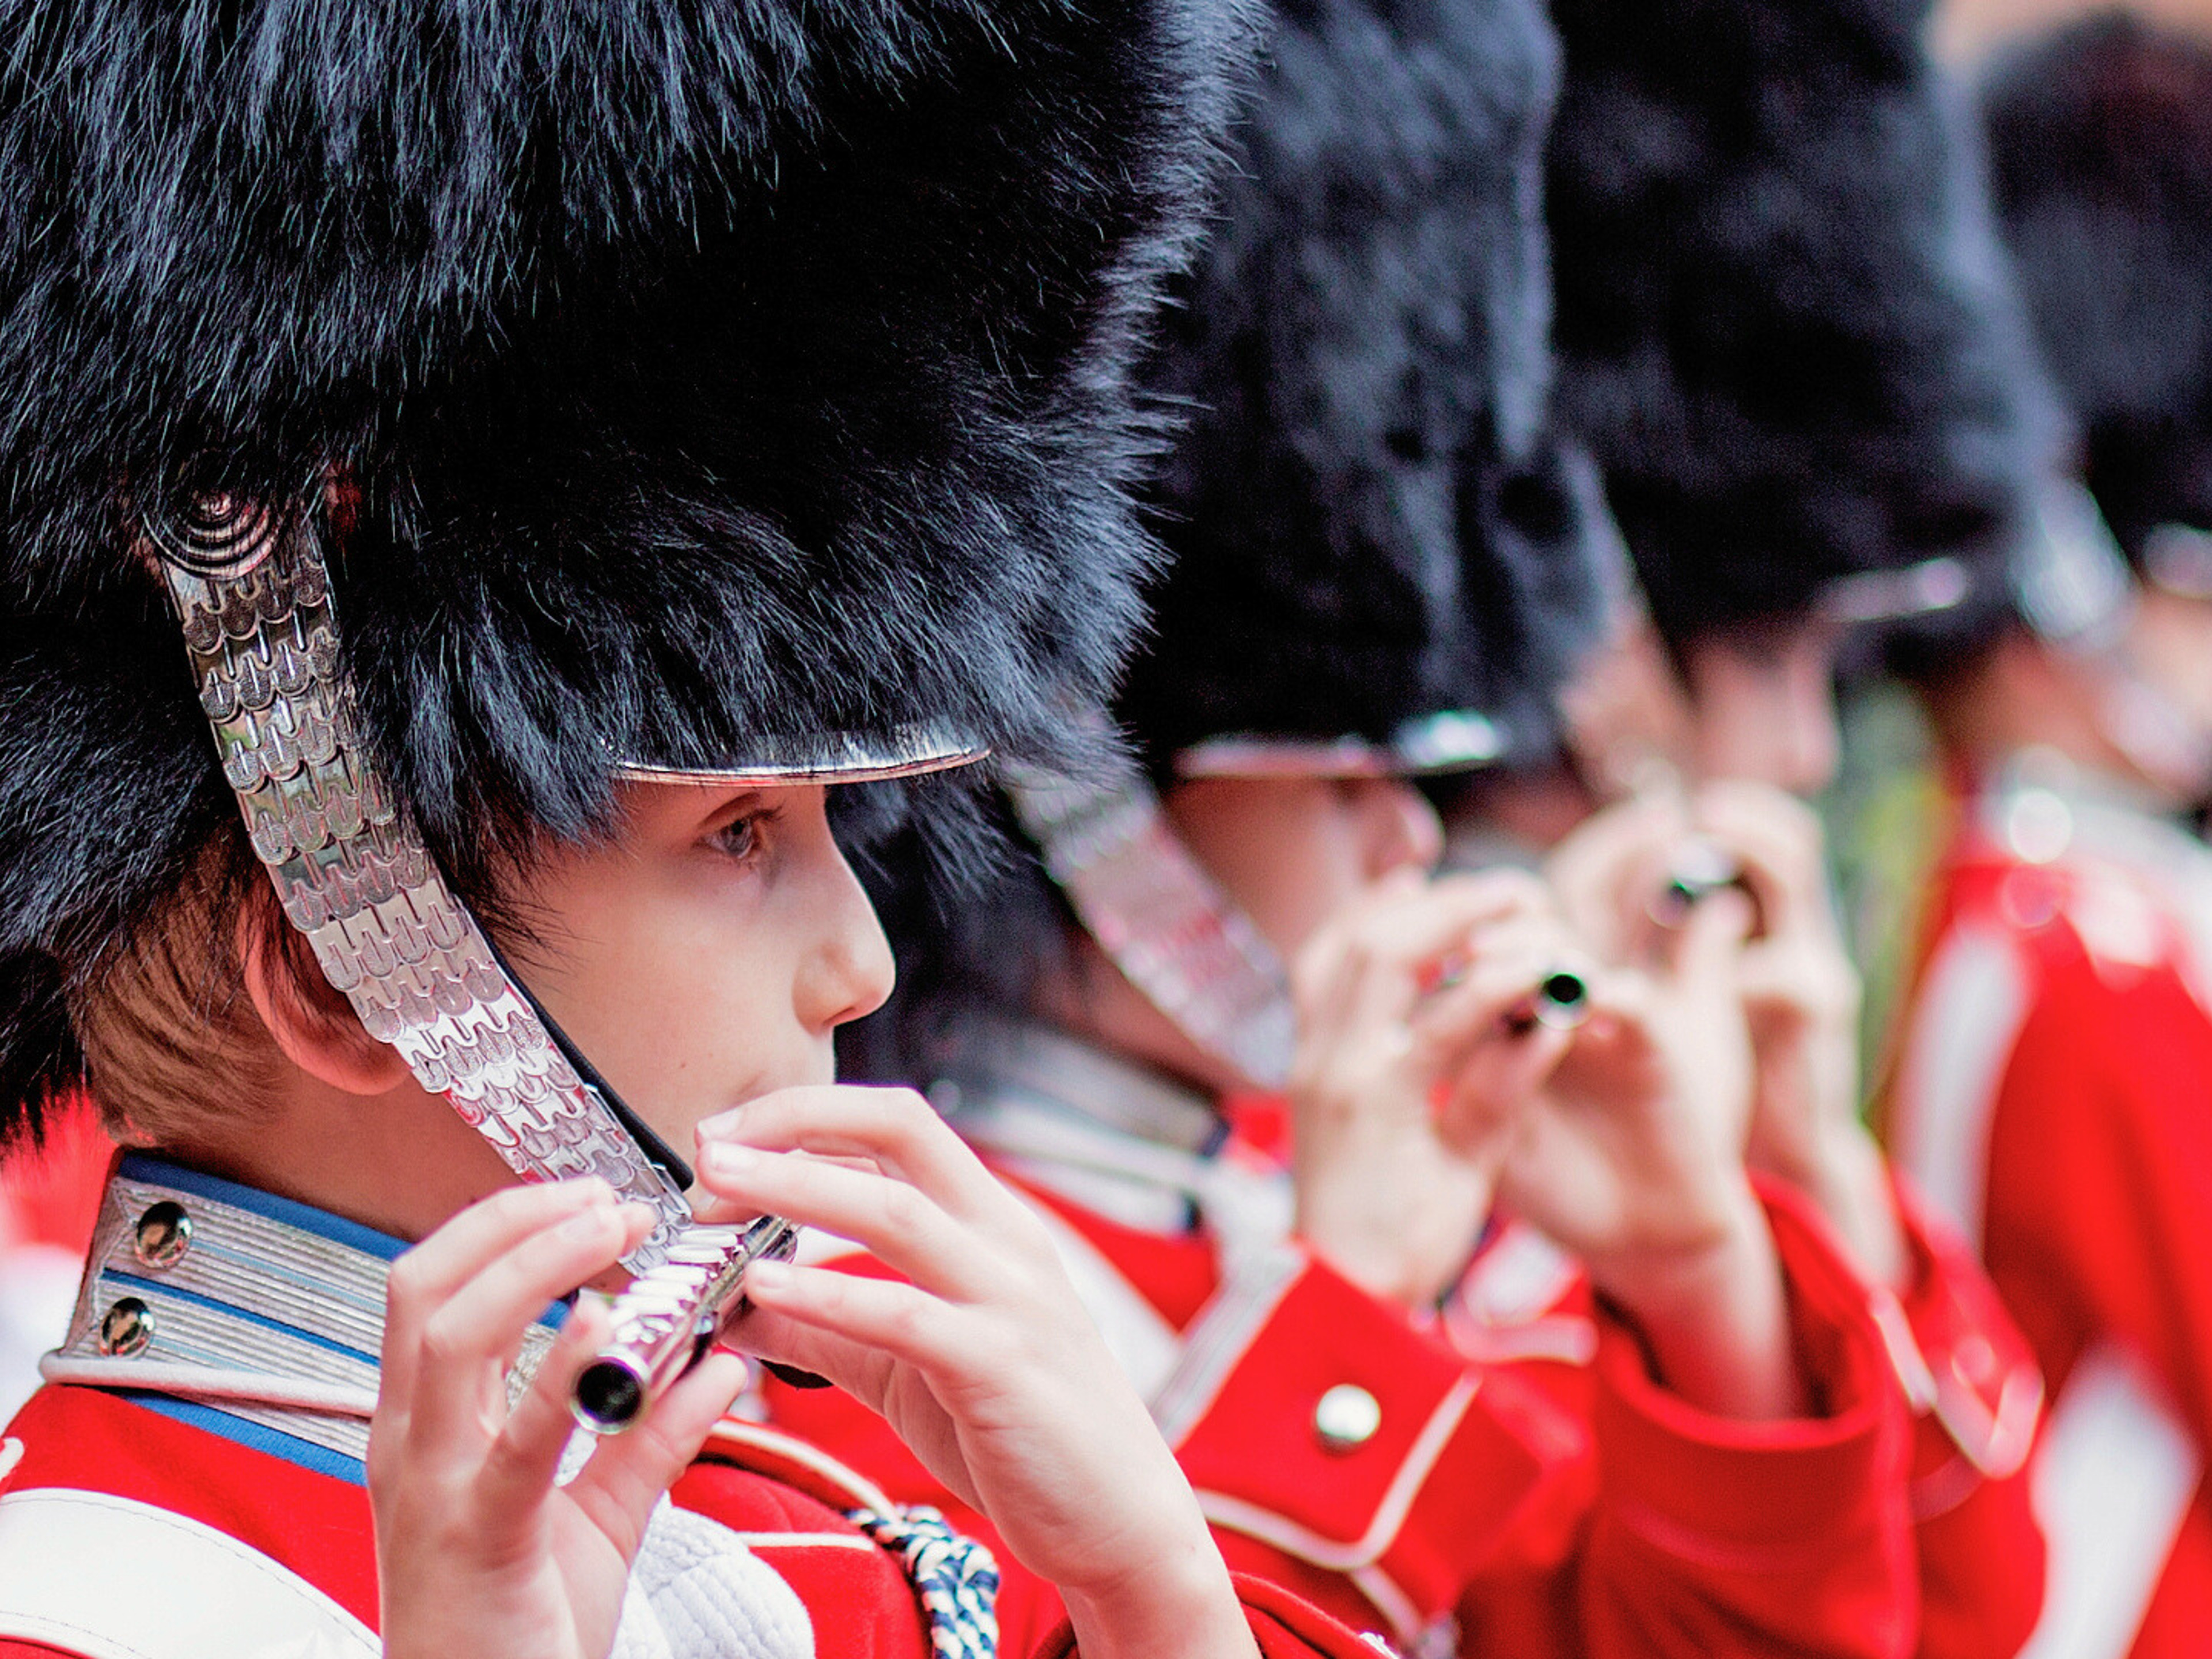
(1160, 919)
(252, 587)
(955, 1576)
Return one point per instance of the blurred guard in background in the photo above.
(2053, 1074)
(1385, 561)
(1785, 332)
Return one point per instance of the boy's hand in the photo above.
(1800, 998)
(1405, 1079)
(1799, 990)
(1632, 1156)
(980, 1356)
(477, 1552)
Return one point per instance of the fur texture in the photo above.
(1365, 512)
(2101, 145)
(1373, 519)
(707, 370)
(1783, 323)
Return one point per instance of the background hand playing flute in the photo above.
(1417, 1008)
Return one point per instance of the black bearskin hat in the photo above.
(2101, 148)
(1375, 524)
(1780, 321)
(1367, 515)
(707, 375)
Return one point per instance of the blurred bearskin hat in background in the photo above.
(706, 377)
(1781, 324)
(1386, 556)
(2100, 148)
(1370, 516)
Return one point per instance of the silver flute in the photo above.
(1559, 1002)
(1698, 869)
(669, 1317)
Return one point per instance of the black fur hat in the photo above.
(1781, 324)
(2100, 146)
(1375, 524)
(1367, 515)
(707, 374)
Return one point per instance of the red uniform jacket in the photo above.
(1452, 1504)
(1963, 1364)
(2053, 1095)
(226, 1521)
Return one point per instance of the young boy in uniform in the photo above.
(480, 479)
(1385, 562)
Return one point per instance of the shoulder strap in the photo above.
(110, 1578)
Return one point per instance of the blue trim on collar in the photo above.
(215, 1420)
(139, 1282)
(143, 1166)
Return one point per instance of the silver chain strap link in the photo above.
(1160, 918)
(253, 589)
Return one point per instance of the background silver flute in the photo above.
(1698, 869)
(1559, 1003)
(665, 1320)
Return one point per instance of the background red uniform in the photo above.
(1488, 1510)
(2053, 1095)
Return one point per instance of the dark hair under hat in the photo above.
(1781, 318)
(2101, 148)
(706, 376)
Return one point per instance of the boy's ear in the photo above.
(309, 1018)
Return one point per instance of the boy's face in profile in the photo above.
(1757, 707)
(707, 953)
(1291, 852)
(701, 955)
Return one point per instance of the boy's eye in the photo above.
(738, 838)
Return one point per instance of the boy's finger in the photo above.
(1469, 1012)
(424, 1277)
(1597, 861)
(1395, 948)
(900, 1320)
(519, 1469)
(1713, 939)
(629, 1472)
(893, 1130)
(478, 1331)
(902, 1226)
(864, 1372)
(1495, 1083)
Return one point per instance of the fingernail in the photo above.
(770, 1276)
(719, 1126)
(725, 1159)
(588, 1223)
